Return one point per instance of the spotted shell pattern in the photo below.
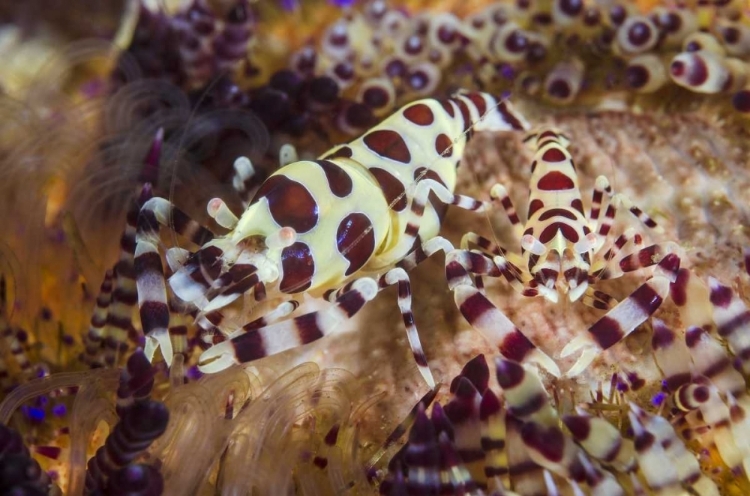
(350, 208)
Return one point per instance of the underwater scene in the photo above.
(398, 247)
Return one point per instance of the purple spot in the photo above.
(34, 414)
(194, 374)
(622, 386)
(507, 71)
(59, 410)
(93, 88)
(658, 399)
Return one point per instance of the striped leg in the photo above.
(119, 323)
(423, 189)
(401, 429)
(159, 212)
(209, 333)
(467, 262)
(487, 246)
(149, 271)
(598, 299)
(499, 194)
(602, 220)
(213, 332)
(280, 311)
(644, 257)
(401, 278)
(623, 201)
(269, 340)
(230, 285)
(604, 224)
(601, 186)
(625, 317)
(732, 319)
(601, 267)
(93, 340)
(475, 307)
(512, 270)
(203, 282)
(152, 300)
(512, 274)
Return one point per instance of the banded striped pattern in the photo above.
(124, 295)
(732, 319)
(547, 445)
(564, 252)
(93, 340)
(139, 426)
(484, 442)
(527, 475)
(330, 226)
(710, 360)
(601, 440)
(136, 382)
(275, 338)
(493, 440)
(525, 396)
(625, 317)
(151, 287)
(671, 355)
(714, 397)
(463, 413)
(663, 458)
